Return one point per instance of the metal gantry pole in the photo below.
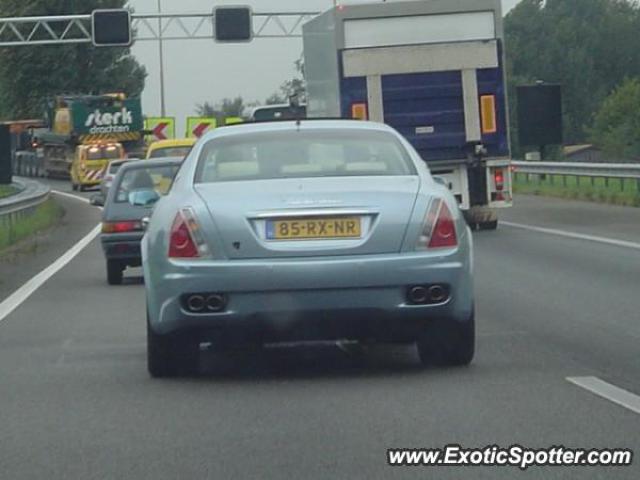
(161, 53)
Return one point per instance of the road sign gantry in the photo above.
(74, 29)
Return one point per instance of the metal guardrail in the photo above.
(31, 195)
(607, 171)
(575, 169)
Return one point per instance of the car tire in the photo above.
(115, 272)
(171, 355)
(488, 225)
(448, 343)
(74, 187)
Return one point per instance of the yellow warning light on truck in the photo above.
(488, 114)
(359, 111)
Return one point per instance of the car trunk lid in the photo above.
(311, 217)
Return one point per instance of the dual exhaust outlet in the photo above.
(428, 294)
(205, 302)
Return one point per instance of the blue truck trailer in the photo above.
(433, 70)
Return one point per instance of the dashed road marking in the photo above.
(606, 390)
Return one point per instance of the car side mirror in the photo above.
(143, 197)
(97, 200)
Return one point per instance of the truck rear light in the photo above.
(439, 229)
(488, 114)
(121, 227)
(498, 176)
(498, 179)
(186, 239)
(359, 111)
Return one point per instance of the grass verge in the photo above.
(45, 215)
(7, 190)
(615, 191)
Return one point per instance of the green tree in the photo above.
(587, 46)
(227, 107)
(29, 76)
(232, 107)
(275, 99)
(294, 86)
(206, 109)
(616, 128)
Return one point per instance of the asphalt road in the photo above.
(77, 403)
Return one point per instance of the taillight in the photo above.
(439, 229)
(359, 111)
(498, 178)
(121, 227)
(186, 239)
(488, 114)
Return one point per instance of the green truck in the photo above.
(78, 120)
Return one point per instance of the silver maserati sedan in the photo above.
(306, 231)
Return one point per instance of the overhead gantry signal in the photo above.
(109, 28)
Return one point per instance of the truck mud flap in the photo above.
(477, 185)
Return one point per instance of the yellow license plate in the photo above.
(310, 228)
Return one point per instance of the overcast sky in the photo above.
(201, 70)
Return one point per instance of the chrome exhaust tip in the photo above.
(215, 302)
(418, 294)
(437, 294)
(196, 303)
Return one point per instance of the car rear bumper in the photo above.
(311, 299)
(122, 247)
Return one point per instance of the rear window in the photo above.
(157, 178)
(170, 152)
(303, 154)
(115, 166)
(279, 113)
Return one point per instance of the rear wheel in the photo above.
(114, 272)
(171, 355)
(488, 225)
(74, 186)
(448, 342)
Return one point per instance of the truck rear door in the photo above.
(438, 79)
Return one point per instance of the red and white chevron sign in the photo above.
(160, 128)
(198, 126)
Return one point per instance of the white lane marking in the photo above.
(25, 291)
(18, 297)
(578, 236)
(71, 195)
(612, 393)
